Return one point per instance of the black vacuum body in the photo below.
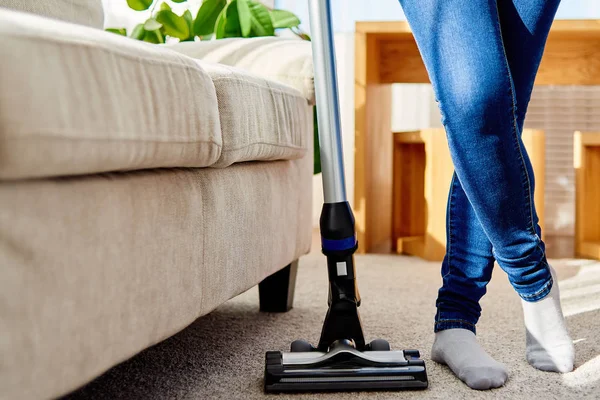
(342, 360)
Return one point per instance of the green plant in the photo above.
(215, 19)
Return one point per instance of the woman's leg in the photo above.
(447, 41)
(525, 26)
(467, 266)
(461, 45)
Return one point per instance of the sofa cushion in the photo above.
(285, 60)
(77, 100)
(260, 119)
(83, 12)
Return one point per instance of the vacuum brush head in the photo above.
(343, 368)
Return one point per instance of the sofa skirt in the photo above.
(95, 269)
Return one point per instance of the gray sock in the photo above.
(459, 349)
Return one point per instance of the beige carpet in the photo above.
(220, 356)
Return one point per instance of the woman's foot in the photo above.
(549, 347)
(459, 349)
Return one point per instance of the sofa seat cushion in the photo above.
(77, 100)
(82, 12)
(285, 60)
(261, 119)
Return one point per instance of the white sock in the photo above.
(549, 347)
(459, 349)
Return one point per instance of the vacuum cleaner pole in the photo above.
(338, 237)
(330, 133)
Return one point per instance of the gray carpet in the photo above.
(221, 355)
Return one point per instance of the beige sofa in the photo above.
(140, 187)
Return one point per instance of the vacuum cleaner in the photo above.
(342, 360)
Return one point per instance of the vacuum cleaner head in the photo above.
(343, 368)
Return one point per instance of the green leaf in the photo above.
(173, 24)
(118, 31)
(187, 16)
(284, 19)
(138, 32)
(208, 13)
(317, 149)
(165, 7)
(220, 24)
(228, 22)
(244, 17)
(232, 21)
(178, 1)
(152, 25)
(154, 37)
(139, 5)
(261, 19)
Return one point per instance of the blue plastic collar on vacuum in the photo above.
(338, 244)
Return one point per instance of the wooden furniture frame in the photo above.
(587, 194)
(386, 53)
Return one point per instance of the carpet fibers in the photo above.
(221, 355)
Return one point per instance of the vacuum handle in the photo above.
(328, 110)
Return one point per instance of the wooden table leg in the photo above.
(373, 149)
(535, 143)
(587, 194)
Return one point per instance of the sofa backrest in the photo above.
(82, 12)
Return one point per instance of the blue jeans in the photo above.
(482, 57)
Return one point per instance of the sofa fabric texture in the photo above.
(175, 244)
(83, 12)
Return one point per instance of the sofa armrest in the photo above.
(285, 60)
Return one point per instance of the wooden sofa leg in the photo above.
(276, 292)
